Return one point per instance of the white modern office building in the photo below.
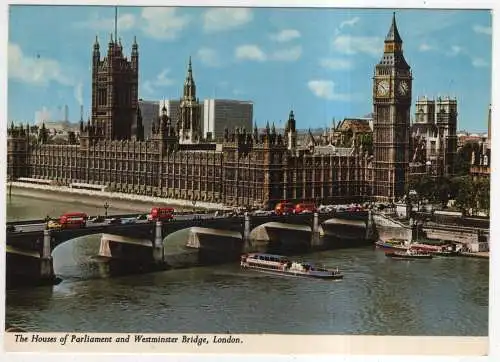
(221, 113)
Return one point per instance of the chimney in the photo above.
(66, 111)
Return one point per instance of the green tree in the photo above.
(464, 157)
(465, 199)
(482, 188)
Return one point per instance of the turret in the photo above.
(135, 54)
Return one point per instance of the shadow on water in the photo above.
(79, 259)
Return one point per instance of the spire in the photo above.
(189, 85)
(134, 46)
(393, 34)
(96, 43)
(116, 23)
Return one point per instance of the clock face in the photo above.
(383, 88)
(403, 88)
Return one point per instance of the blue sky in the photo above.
(317, 61)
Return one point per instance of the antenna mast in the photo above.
(116, 24)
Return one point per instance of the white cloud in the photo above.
(286, 35)
(424, 47)
(335, 63)
(35, 69)
(250, 52)
(287, 55)
(350, 22)
(479, 63)
(455, 50)
(209, 57)
(225, 18)
(349, 44)
(482, 29)
(326, 89)
(78, 92)
(161, 80)
(163, 23)
(156, 22)
(96, 22)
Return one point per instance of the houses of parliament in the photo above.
(247, 168)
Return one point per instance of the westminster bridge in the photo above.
(30, 244)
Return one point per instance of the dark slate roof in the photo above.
(393, 34)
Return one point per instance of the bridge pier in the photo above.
(246, 232)
(315, 235)
(369, 226)
(158, 244)
(46, 265)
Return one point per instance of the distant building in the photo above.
(481, 160)
(434, 136)
(150, 111)
(219, 114)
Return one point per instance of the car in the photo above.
(113, 220)
(142, 217)
(97, 219)
(52, 224)
(128, 221)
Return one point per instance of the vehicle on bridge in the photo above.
(284, 208)
(53, 225)
(73, 220)
(113, 220)
(97, 219)
(129, 220)
(304, 208)
(161, 214)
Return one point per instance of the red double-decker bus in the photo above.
(304, 207)
(283, 208)
(161, 214)
(73, 220)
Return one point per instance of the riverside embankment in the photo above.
(123, 201)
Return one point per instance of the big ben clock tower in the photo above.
(391, 124)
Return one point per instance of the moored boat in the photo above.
(397, 244)
(281, 265)
(408, 254)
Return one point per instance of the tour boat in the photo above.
(408, 254)
(281, 265)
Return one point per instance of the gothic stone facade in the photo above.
(246, 169)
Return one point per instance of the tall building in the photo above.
(150, 111)
(189, 123)
(245, 168)
(434, 136)
(114, 90)
(220, 114)
(392, 84)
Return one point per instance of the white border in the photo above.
(494, 334)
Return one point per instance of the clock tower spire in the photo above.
(391, 107)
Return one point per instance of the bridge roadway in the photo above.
(30, 236)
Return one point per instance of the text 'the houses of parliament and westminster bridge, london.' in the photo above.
(248, 167)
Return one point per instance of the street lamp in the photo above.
(106, 206)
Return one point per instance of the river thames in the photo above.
(378, 296)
